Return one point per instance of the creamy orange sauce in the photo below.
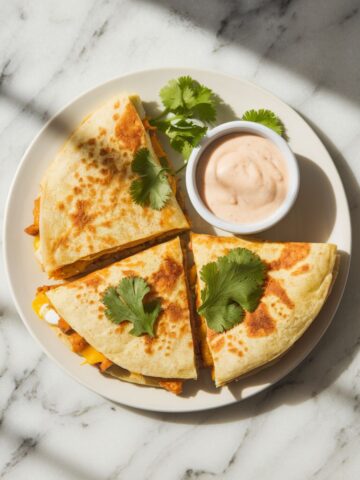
(242, 178)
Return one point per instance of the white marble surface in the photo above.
(307, 426)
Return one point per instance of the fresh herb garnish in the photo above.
(125, 303)
(267, 118)
(233, 284)
(152, 188)
(189, 108)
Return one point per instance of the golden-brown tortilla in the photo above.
(298, 282)
(170, 354)
(86, 210)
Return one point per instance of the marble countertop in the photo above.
(306, 52)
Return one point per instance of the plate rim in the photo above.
(138, 404)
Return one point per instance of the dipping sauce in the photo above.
(242, 178)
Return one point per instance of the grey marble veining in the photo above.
(307, 426)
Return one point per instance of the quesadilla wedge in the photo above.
(79, 310)
(85, 211)
(297, 282)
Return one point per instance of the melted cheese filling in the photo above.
(36, 246)
(44, 309)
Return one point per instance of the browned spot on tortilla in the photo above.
(166, 277)
(61, 206)
(108, 239)
(80, 218)
(211, 333)
(129, 273)
(104, 151)
(93, 280)
(291, 254)
(174, 312)
(106, 223)
(116, 116)
(218, 344)
(236, 351)
(136, 264)
(259, 323)
(122, 327)
(274, 287)
(62, 241)
(149, 344)
(117, 104)
(129, 129)
(303, 269)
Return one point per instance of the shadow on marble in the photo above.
(44, 453)
(35, 110)
(312, 39)
(26, 105)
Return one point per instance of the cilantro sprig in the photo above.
(233, 284)
(152, 187)
(267, 118)
(125, 303)
(189, 108)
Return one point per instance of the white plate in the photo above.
(320, 214)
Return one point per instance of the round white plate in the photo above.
(320, 214)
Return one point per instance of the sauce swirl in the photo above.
(242, 178)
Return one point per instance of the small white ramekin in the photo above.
(240, 126)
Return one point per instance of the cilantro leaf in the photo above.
(152, 187)
(171, 95)
(184, 135)
(124, 303)
(233, 283)
(189, 107)
(188, 97)
(197, 100)
(267, 118)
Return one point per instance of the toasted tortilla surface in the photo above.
(86, 210)
(298, 281)
(170, 354)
